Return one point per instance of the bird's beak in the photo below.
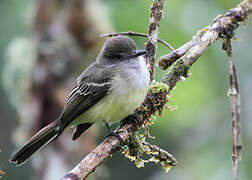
(139, 53)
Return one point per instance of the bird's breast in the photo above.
(128, 90)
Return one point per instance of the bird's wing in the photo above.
(86, 94)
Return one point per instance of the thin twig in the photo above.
(167, 60)
(209, 34)
(130, 33)
(235, 99)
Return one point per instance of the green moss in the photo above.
(137, 148)
(158, 87)
(179, 68)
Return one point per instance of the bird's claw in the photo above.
(113, 133)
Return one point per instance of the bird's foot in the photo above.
(132, 119)
(113, 133)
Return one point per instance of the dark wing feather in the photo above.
(81, 100)
(93, 84)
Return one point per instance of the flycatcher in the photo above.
(109, 90)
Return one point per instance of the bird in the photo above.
(109, 90)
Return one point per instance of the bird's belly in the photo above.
(113, 107)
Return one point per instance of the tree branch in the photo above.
(156, 13)
(156, 99)
(235, 102)
(208, 35)
(130, 33)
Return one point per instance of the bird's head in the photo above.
(121, 48)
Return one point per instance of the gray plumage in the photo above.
(109, 89)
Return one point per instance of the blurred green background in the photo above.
(198, 133)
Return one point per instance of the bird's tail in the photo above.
(36, 142)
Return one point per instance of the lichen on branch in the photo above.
(137, 147)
